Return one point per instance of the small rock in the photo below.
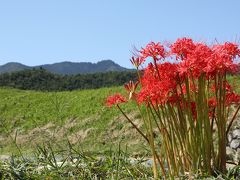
(148, 163)
(230, 153)
(235, 143)
(236, 133)
(75, 160)
(229, 138)
(230, 166)
(4, 157)
(133, 161)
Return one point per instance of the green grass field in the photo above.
(32, 118)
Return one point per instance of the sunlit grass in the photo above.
(23, 111)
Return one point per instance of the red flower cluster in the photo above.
(165, 82)
(221, 59)
(232, 98)
(154, 50)
(195, 61)
(182, 47)
(182, 97)
(115, 99)
(158, 83)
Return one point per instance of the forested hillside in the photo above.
(41, 79)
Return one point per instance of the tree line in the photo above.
(41, 79)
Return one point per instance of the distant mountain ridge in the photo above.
(67, 67)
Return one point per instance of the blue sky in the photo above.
(37, 32)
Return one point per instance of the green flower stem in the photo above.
(129, 120)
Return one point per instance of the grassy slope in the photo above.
(74, 114)
(30, 109)
(81, 113)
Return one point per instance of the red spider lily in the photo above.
(198, 59)
(115, 99)
(182, 47)
(212, 102)
(222, 58)
(173, 99)
(220, 64)
(158, 90)
(186, 99)
(137, 61)
(228, 87)
(184, 68)
(228, 49)
(151, 92)
(232, 98)
(154, 50)
(195, 61)
(167, 71)
(131, 88)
